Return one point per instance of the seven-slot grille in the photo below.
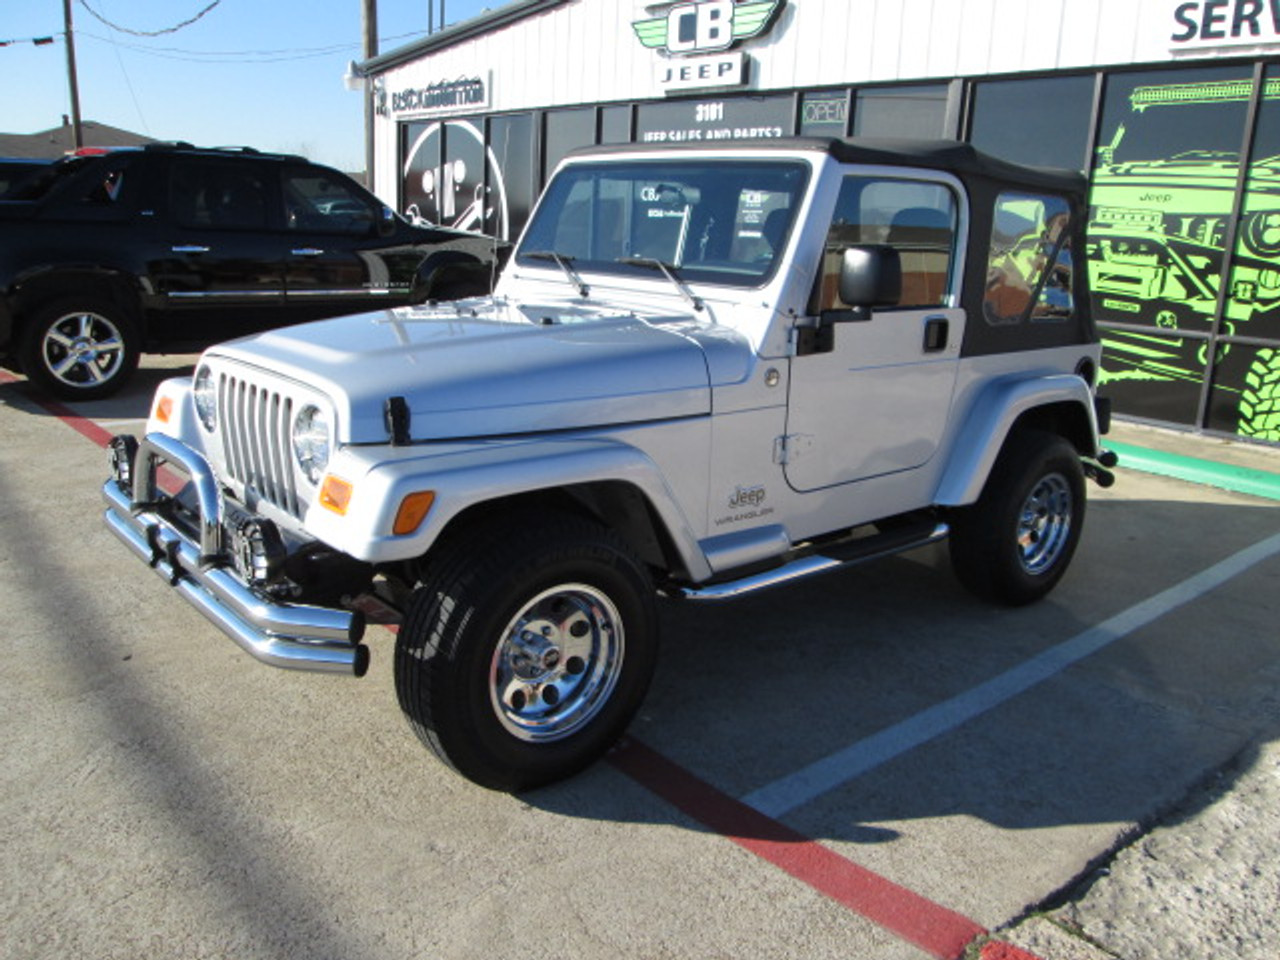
(256, 429)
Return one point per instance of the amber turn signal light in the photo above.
(335, 494)
(413, 510)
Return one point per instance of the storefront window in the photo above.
(824, 113)
(1043, 123)
(1163, 194)
(1146, 375)
(421, 149)
(919, 112)
(566, 130)
(1246, 392)
(615, 124)
(511, 175)
(1246, 386)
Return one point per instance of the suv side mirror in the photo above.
(386, 221)
(870, 276)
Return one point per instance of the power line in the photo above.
(282, 55)
(147, 33)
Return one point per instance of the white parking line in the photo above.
(786, 794)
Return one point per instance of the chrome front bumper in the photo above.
(286, 635)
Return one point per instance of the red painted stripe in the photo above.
(81, 425)
(170, 482)
(1005, 951)
(935, 929)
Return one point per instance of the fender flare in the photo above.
(488, 473)
(993, 416)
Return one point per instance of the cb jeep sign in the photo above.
(685, 29)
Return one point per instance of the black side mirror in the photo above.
(386, 222)
(870, 276)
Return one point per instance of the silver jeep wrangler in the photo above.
(704, 372)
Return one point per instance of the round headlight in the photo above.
(311, 442)
(205, 394)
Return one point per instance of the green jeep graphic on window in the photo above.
(1157, 239)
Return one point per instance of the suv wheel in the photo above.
(1017, 541)
(527, 650)
(80, 348)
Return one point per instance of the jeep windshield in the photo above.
(710, 221)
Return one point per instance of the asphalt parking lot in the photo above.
(871, 765)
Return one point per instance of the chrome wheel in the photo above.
(557, 663)
(1044, 524)
(83, 350)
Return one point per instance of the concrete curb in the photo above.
(1258, 483)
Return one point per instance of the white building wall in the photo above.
(586, 52)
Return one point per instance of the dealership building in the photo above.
(1171, 106)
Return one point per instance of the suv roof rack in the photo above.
(183, 146)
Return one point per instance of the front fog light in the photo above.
(258, 550)
(205, 394)
(122, 450)
(311, 442)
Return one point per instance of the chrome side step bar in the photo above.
(846, 555)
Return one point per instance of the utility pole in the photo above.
(77, 133)
(369, 25)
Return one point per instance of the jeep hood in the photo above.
(486, 368)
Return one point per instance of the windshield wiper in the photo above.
(565, 264)
(669, 272)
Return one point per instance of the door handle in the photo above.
(307, 252)
(190, 248)
(935, 334)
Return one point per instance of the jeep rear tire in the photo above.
(527, 649)
(79, 348)
(1017, 541)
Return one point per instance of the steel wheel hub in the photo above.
(557, 663)
(1044, 524)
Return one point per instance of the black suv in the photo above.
(171, 247)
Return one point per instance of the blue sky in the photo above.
(260, 73)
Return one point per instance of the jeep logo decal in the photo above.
(747, 497)
(705, 26)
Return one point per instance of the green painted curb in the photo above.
(1258, 483)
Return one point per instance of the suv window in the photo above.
(1029, 273)
(210, 193)
(315, 201)
(916, 218)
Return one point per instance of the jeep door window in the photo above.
(316, 202)
(714, 222)
(1029, 270)
(916, 217)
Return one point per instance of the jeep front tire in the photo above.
(527, 649)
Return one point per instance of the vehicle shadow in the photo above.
(750, 693)
(133, 402)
